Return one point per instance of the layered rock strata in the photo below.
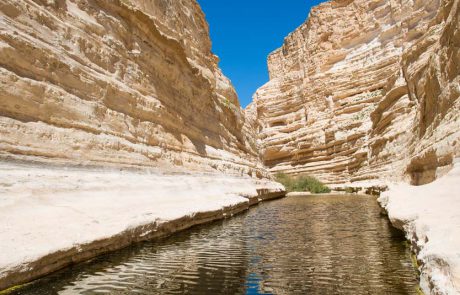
(121, 83)
(116, 126)
(365, 91)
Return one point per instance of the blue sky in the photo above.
(244, 32)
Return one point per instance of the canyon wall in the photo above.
(124, 83)
(116, 126)
(364, 90)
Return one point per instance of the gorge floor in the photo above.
(343, 246)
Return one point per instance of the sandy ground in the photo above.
(430, 216)
(48, 214)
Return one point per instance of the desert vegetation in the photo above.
(302, 183)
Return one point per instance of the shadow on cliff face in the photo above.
(125, 78)
(424, 169)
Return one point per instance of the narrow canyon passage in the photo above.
(343, 245)
(118, 125)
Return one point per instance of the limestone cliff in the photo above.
(116, 126)
(121, 83)
(365, 90)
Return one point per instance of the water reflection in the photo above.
(298, 245)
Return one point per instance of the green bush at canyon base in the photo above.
(302, 183)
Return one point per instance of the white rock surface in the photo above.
(430, 216)
(51, 217)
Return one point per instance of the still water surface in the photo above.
(297, 245)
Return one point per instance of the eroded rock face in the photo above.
(365, 90)
(90, 89)
(123, 82)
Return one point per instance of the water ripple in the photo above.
(298, 245)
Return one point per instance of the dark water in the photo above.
(298, 245)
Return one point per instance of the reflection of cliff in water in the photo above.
(333, 244)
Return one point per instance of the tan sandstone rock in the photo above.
(122, 83)
(116, 126)
(364, 91)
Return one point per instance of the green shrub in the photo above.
(302, 184)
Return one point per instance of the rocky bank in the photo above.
(53, 217)
(429, 215)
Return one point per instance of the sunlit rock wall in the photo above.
(364, 90)
(122, 82)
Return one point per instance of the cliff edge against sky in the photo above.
(364, 90)
(116, 126)
(367, 92)
(122, 83)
